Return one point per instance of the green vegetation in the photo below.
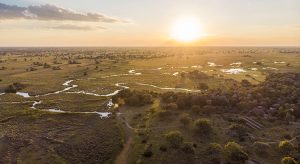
(174, 139)
(288, 160)
(164, 105)
(234, 153)
(203, 127)
(285, 147)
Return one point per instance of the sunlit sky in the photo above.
(149, 22)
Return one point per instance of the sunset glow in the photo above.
(186, 30)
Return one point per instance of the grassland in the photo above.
(64, 127)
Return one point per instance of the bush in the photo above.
(171, 106)
(215, 152)
(185, 119)
(196, 109)
(134, 98)
(233, 153)
(262, 148)
(288, 160)
(285, 147)
(174, 139)
(238, 131)
(163, 148)
(46, 65)
(163, 114)
(203, 126)
(188, 148)
(10, 89)
(13, 88)
(203, 86)
(147, 151)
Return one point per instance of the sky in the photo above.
(148, 22)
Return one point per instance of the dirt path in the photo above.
(122, 157)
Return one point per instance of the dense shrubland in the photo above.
(133, 98)
(277, 97)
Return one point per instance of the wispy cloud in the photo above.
(75, 27)
(51, 12)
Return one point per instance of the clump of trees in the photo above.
(73, 62)
(31, 69)
(275, 98)
(133, 97)
(13, 88)
(56, 68)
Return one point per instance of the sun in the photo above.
(186, 30)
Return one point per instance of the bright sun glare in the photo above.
(186, 30)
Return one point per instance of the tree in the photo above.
(203, 126)
(234, 153)
(215, 152)
(185, 119)
(174, 139)
(288, 160)
(285, 147)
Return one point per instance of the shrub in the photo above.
(13, 88)
(134, 98)
(174, 139)
(288, 160)
(185, 119)
(262, 148)
(203, 86)
(10, 89)
(46, 65)
(171, 106)
(233, 153)
(188, 148)
(147, 151)
(196, 109)
(163, 114)
(203, 126)
(245, 83)
(285, 147)
(215, 152)
(237, 130)
(163, 148)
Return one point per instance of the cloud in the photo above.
(51, 12)
(75, 27)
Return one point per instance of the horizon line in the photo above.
(150, 46)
